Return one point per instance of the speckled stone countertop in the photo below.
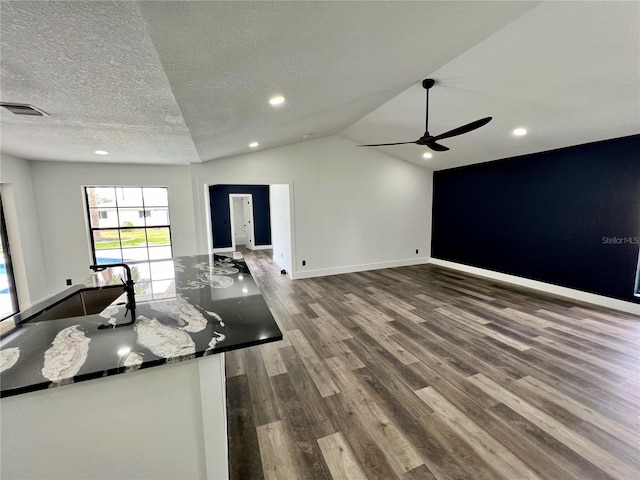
(187, 307)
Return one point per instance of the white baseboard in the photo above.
(7, 325)
(284, 267)
(358, 268)
(230, 249)
(223, 250)
(280, 264)
(602, 301)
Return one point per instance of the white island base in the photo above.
(163, 422)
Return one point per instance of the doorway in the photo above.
(242, 222)
(226, 226)
(270, 222)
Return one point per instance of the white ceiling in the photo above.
(183, 82)
(569, 72)
(93, 68)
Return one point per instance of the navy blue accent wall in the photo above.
(221, 219)
(568, 217)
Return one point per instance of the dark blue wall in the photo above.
(221, 220)
(547, 216)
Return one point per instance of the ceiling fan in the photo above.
(431, 141)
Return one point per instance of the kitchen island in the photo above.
(159, 411)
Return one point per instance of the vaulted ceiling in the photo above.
(184, 82)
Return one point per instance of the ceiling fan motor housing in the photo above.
(428, 83)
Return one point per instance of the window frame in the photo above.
(13, 291)
(119, 228)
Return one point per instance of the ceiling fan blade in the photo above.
(427, 139)
(385, 144)
(436, 146)
(463, 129)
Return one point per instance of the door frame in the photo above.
(204, 199)
(251, 234)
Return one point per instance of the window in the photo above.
(128, 224)
(154, 280)
(8, 297)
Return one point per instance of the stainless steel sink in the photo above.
(87, 301)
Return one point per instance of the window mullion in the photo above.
(115, 191)
(120, 228)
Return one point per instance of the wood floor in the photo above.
(426, 373)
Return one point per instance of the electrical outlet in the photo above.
(304, 262)
(416, 251)
(69, 281)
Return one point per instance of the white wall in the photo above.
(61, 210)
(23, 229)
(353, 208)
(280, 225)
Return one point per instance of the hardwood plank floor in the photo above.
(427, 373)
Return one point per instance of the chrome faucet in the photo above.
(128, 287)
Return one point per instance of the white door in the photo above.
(241, 216)
(248, 221)
(239, 227)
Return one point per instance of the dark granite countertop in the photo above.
(187, 307)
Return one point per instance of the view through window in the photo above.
(129, 224)
(8, 298)
(154, 280)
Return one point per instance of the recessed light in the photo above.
(427, 155)
(519, 132)
(101, 152)
(307, 135)
(254, 145)
(277, 100)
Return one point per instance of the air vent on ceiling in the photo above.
(23, 109)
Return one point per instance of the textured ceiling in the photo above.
(567, 71)
(93, 68)
(181, 82)
(185, 81)
(334, 61)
